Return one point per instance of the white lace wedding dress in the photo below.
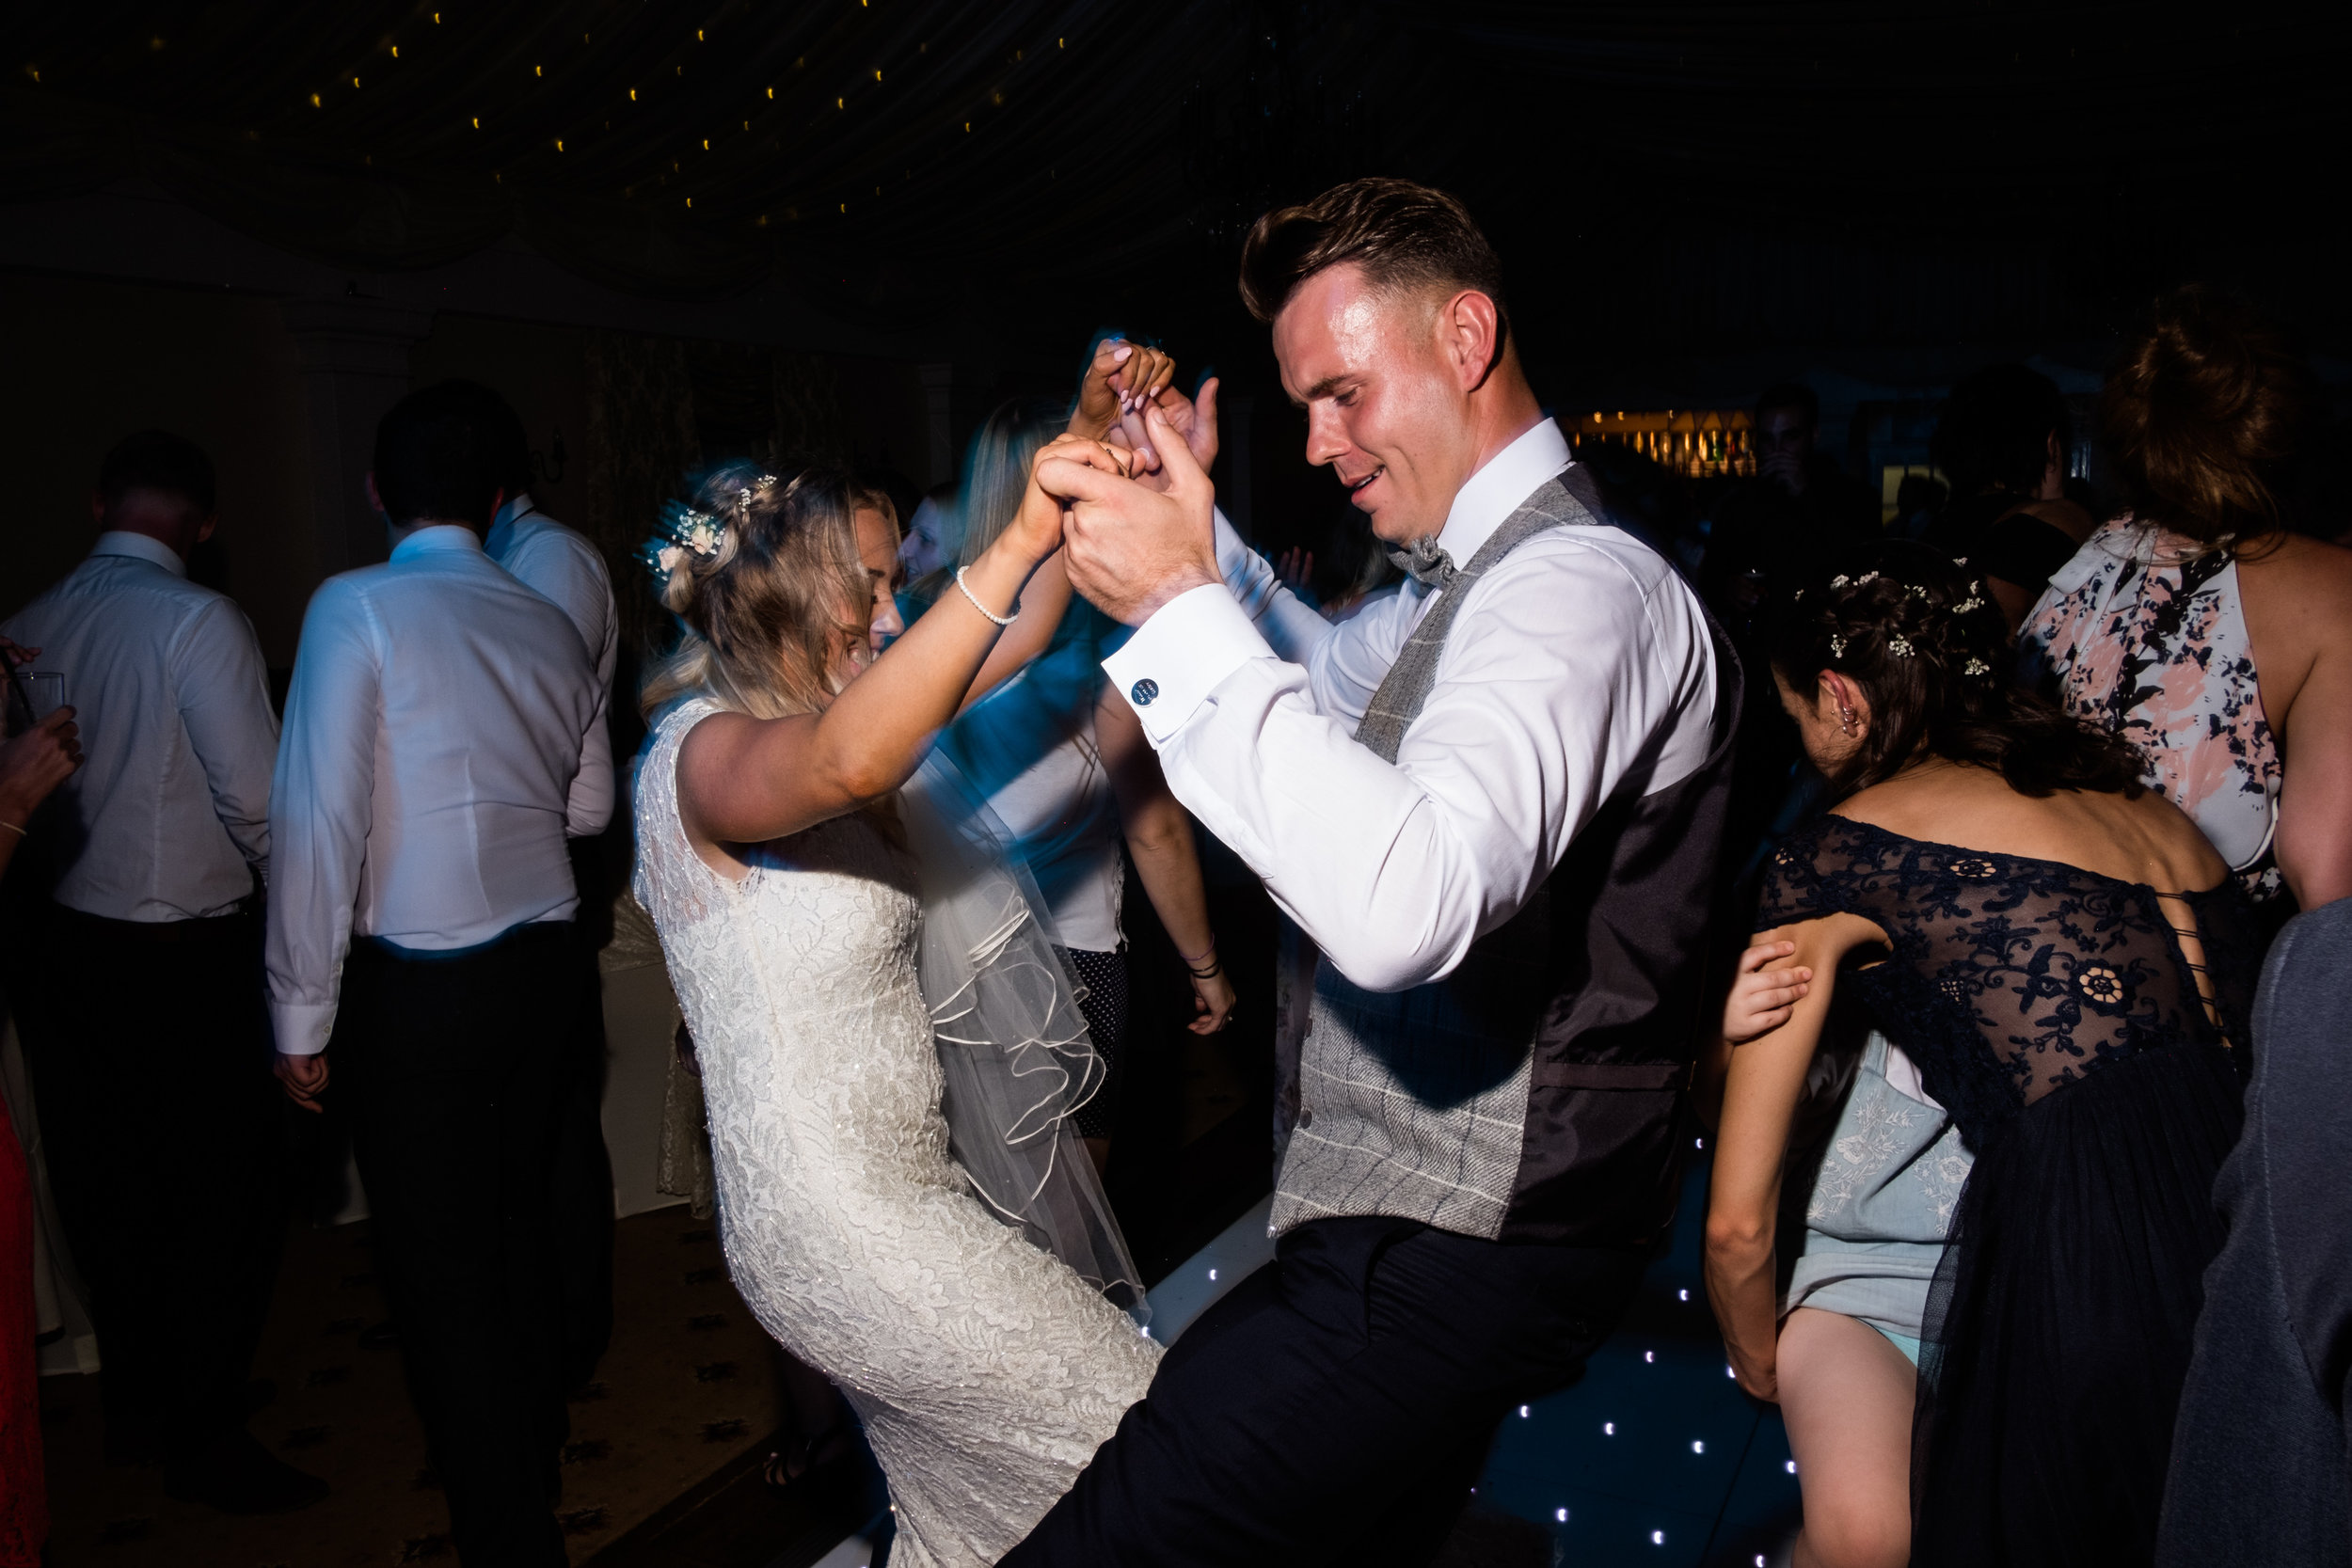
(985, 1370)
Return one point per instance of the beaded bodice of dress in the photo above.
(2010, 977)
(985, 1370)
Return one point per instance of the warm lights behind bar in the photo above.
(1696, 443)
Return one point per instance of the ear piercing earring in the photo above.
(1846, 721)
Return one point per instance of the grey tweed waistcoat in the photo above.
(1538, 1092)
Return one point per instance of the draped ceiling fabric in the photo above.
(1793, 171)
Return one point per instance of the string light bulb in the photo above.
(314, 97)
(396, 51)
(477, 122)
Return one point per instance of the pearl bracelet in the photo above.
(1000, 620)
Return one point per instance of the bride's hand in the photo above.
(1035, 531)
(1120, 377)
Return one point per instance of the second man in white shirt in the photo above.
(419, 941)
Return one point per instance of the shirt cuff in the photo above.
(1180, 655)
(302, 1027)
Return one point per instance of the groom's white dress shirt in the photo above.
(439, 716)
(561, 565)
(1581, 665)
(167, 682)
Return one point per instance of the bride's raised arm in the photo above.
(743, 780)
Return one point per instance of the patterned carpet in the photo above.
(689, 1384)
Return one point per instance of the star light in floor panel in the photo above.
(1522, 1412)
(1560, 1515)
(1699, 1447)
(1658, 1538)
(1608, 1428)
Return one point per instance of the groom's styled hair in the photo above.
(1403, 235)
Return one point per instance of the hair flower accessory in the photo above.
(1917, 592)
(1839, 580)
(1836, 648)
(1971, 602)
(1978, 667)
(1898, 646)
(1866, 576)
(682, 531)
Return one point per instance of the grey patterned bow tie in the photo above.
(1426, 561)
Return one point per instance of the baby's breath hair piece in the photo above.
(683, 532)
(1917, 592)
(1971, 602)
(1841, 579)
(1836, 646)
(1978, 667)
(1866, 576)
(1898, 646)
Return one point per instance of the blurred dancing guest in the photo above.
(566, 568)
(1494, 803)
(773, 856)
(1070, 774)
(2260, 1468)
(2005, 443)
(139, 993)
(421, 940)
(2069, 964)
(2213, 640)
(32, 763)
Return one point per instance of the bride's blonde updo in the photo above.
(764, 573)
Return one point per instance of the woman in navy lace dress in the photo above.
(2069, 963)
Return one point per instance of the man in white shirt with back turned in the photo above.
(1495, 804)
(564, 567)
(421, 939)
(138, 987)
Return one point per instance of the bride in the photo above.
(771, 855)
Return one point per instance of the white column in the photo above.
(354, 355)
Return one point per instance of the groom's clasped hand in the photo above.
(1139, 536)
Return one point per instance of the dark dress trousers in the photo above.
(452, 1069)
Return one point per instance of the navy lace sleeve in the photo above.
(1812, 874)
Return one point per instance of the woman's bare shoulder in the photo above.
(2299, 575)
(1919, 805)
(2142, 838)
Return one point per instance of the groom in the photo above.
(1495, 802)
